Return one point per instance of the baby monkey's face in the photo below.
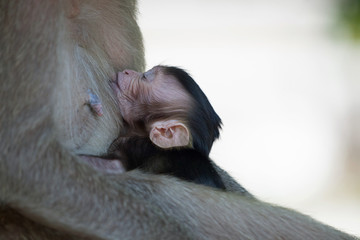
(140, 93)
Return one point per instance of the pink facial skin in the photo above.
(131, 89)
(139, 92)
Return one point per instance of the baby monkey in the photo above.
(170, 125)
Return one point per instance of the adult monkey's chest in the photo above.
(90, 53)
(77, 126)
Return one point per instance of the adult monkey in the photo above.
(44, 192)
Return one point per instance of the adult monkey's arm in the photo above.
(47, 48)
(161, 208)
(222, 215)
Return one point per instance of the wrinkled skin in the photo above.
(139, 93)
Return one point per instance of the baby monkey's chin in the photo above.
(115, 82)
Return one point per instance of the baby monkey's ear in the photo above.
(169, 133)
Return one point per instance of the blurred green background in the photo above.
(349, 17)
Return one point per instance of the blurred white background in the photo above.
(286, 83)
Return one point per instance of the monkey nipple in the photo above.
(95, 103)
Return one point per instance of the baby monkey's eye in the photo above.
(146, 76)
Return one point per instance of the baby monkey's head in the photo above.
(168, 104)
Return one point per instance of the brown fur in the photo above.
(51, 52)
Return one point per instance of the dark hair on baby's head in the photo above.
(203, 121)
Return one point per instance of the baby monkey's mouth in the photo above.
(114, 84)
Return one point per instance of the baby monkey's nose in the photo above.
(129, 72)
